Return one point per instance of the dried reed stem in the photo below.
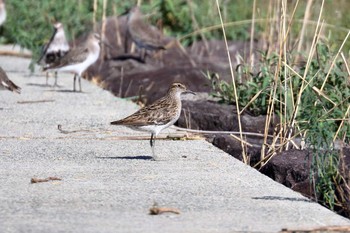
(196, 26)
(342, 123)
(94, 15)
(270, 108)
(311, 53)
(244, 156)
(103, 29)
(117, 29)
(334, 60)
(306, 18)
(251, 44)
(249, 21)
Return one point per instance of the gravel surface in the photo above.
(109, 182)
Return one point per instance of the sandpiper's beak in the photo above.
(189, 92)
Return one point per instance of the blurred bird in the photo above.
(144, 35)
(78, 59)
(55, 49)
(159, 115)
(6, 83)
(2, 12)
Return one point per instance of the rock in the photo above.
(233, 147)
(291, 168)
(210, 115)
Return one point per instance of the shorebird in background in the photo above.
(2, 12)
(144, 35)
(157, 116)
(55, 49)
(6, 83)
(78, 59)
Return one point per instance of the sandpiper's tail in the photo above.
(8, 84)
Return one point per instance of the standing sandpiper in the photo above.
(5, 82)
(144, 35)
(2, 12)
(55, 49)
(78, 59)
(157, 116)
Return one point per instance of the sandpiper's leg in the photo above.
(47, 78)
(75, 77)
(152, 142)
(79, 83)
(143, 54)
(55, 84)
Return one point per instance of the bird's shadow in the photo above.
(68, 91)
(55, 90)
(38, 85)
(138, 157)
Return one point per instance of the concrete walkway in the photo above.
(108, 184)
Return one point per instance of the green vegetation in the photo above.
(309, 90)
(29, 22)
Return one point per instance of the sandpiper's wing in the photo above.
(142, 33)
(74, 56)
(145, 35)
(7, 83)
(159, 113)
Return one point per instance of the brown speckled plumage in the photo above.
(159, 115)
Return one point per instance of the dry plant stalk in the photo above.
(342, 123)
(283, 36)
(306, 18)
(244, 155)
(334, 60)
(196, 26)
(117, 29)
(38, 180)
(161, 210)
(249, 21)
(103, 29)
(270, 109)
(155, 210)
(251, 45)
(94, 15)
(318, 32)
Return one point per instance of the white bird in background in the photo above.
(2, 12)
(78, 59)
(55, 49)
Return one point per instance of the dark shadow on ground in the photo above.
(272, 198)
(39, 85)
(139, 157)
(69, 91)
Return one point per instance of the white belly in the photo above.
(79, 68)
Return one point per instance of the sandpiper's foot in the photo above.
(56, 85)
